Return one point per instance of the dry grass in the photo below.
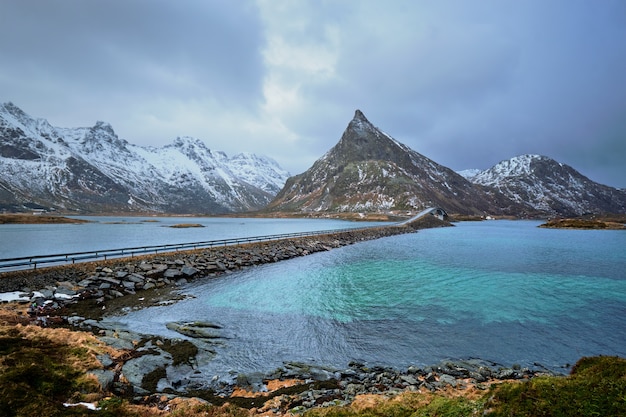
(41, 368)
(36, 219)
(584, 224)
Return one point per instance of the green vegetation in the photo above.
(37, 375)
(151, 380)
(596, 387)
(40, 369)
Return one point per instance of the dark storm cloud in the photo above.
(107, 51)
(472, 83)
(467, 84)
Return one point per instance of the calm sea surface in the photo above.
(103, 233)
(503, 291)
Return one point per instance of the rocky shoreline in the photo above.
(154, 369)
(118, 277)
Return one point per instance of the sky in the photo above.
(465, 83)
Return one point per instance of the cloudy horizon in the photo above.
(467, 84)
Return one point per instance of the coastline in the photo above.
(602, 223)
(154, 372)
(37, 218)
(150, 370)
(207, 262)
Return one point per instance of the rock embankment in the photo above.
(158, 365)
(115, 278)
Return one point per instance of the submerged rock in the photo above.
(196, 329)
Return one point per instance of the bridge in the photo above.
(438, 212)
(33, 262)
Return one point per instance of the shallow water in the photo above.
(503, 291)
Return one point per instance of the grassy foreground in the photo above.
(43, 368)
(596, 387)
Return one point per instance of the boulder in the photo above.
(105, 378)
(172, 273)
(136, 369)
(189, 271)
(199, 330)
(446, 379)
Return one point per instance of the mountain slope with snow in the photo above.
(543, 184)
(368, 170)
(93, 170)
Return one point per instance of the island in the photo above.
(36, 218)
(587, 223)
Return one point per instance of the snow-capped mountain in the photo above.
(368, 170)
(91, 169)
(543, 184)
(468, 174)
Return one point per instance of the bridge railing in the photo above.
(33, 262)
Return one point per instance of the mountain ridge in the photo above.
(91, 169)
(368, 170)
(544, 184)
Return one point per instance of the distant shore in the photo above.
(605, 222)
(22, 218)
(61, 218)
(614, 222)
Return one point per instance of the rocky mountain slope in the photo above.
(370, 171)
(545, 185)
(92, 170)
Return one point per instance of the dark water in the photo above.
(503, 291)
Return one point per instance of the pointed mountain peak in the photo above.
(368, 170)
(360, 124)
(10, 107)
(362, 141)
(358, 115)
(11, 111)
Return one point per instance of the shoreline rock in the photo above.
(126, 275)
(79, 295)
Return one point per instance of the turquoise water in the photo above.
(503, 291)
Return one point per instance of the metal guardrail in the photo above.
(33, 262)
(28, 262)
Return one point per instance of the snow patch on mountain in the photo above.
(60, 166)
(543, 184)
(514, 167)
(468, 174)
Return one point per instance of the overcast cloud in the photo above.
(465, 83)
